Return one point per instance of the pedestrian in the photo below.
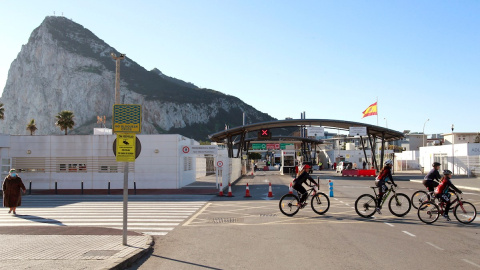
(328, 164)
(334, 166)
(11, 191)
(320, 164)
(364, 165)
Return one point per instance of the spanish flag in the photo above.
(371, 110)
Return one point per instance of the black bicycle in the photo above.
(290, 203)
(399, 203)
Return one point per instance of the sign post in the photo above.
(127, 120)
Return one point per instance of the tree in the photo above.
(2, 109)
(32, 127)
(65, 120)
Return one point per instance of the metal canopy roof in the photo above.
(285, 139)
(389, 134)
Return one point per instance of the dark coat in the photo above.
(11, 191)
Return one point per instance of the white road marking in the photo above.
(347, 204)
(156, 233)
(196, 215)
(335, 199)
(435, 246)
(391, 225)
(472, 263)
(411, 234)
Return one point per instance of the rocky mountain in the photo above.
(64, 66)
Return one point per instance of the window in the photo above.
(63, 167)
(72, 167)
(187, 163)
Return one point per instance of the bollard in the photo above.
(82, 187)
(134, 188)
(330, 183)
(56, 190)
(108, 187)
(30, 188)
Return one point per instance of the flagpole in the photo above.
(377, 110)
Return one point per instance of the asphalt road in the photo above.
(251, 233)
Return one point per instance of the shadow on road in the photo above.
(150, 255)
(40, 219)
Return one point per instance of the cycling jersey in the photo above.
(433, 175)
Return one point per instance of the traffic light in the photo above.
(264, 134)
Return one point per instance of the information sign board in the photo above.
(358, 131)
(199, 150)
(125, 147)
(316, 131)
(127, 118)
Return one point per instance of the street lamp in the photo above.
(386, 123)
(453, 151)
(423, 144)
(117, 75)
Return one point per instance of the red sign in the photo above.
(219, 163)
(275, 146)
(186, 149)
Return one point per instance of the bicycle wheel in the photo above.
(365, 205)
(418, 198)
(320, 203)
(428, 212)
(399, 204)
(289, 204)
(465, 212)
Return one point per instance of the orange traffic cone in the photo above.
(247, 192)
(270, 194)
(220, 194)
(230, 190)
(290, 189)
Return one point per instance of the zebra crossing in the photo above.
(150, 214)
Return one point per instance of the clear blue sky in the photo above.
(329, 58)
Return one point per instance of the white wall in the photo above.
(465, 158)
(157, 167)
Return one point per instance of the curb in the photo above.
(132, 259)
(460, 187)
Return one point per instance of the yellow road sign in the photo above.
(126, 147)
(127, 118)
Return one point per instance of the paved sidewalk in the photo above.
(69, 248)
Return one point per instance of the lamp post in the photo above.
(117, 75)
(386, 122)
(125, 167)
(453, 151)
(423, 132)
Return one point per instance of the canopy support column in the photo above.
(363, 147)
(371, 139)
(383, 149)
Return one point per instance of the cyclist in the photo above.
(385, 173)
(442, 192)
(432, 179)
(302, 178)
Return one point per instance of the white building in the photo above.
(462, 158)
(72, 159)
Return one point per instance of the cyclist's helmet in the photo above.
(388, 162)
(306, 167)
(435, 164)
(447, 172)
